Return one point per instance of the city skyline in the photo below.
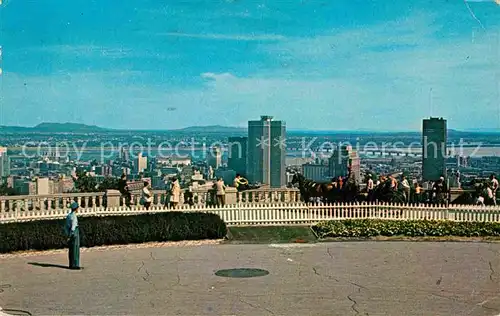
(349, 65)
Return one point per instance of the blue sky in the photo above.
(317, 64)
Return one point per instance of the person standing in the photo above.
(418, 193)
(406, 188)
(340, 182)
(221, 192)
(176, 193)
(439, 190)
(147, 196)
(489, 194)
(369, 188)
(240, 183)
(73, 233)
(168, 190)
(494, 188)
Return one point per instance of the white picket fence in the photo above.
(287, 213)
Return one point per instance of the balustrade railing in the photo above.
(208, 197)
(56, 204)
(50, 202)
(269, 196)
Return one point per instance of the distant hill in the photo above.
(54, 128)
(211, 129)
(483, 130)
(78, 128)
(67, 127)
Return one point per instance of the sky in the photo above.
(315, 64)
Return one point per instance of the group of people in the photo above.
(390, 183)
(172, 197)
(219, 188)
(173, 192)
(487, 192)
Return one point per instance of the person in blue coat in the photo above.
(73, 233)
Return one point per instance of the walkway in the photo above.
(358, 278)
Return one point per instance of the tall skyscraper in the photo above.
(4, 163)
(434, 137)
(124, 154)
(214, 159)
(267, 152)
(343, 159)
(142, 163)
(237, 156)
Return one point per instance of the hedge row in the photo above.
(112, 230)
(419, 228)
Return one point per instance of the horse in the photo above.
(327, 191)
(384, 193)
(311, 189)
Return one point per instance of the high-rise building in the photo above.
(43, 186)
(343, 159)
(124, 154)
(4, 163)
(142, 163)
(104, 170)
(462, 161)
(315, 172)
(237, 156)
(434, 137)
(267, 152)
(214, 158)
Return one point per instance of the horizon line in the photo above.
(471, 130)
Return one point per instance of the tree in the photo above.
(5, 190)
(84, 183)
(109, 183)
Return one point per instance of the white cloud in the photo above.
(95, 51)
(214, 76)
(231, 37)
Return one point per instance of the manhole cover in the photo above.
(241, 273)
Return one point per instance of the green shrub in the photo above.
(417, 228)
(112, 230)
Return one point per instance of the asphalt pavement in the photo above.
(344, 278)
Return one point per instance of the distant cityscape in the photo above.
(44, 161)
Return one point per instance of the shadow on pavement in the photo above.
(48, 265)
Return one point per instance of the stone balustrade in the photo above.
(50, 202)
(208, 197)
(113, 198)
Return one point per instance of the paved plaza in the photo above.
(348, 278)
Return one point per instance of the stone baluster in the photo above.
(231, 196)
(2, 206)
